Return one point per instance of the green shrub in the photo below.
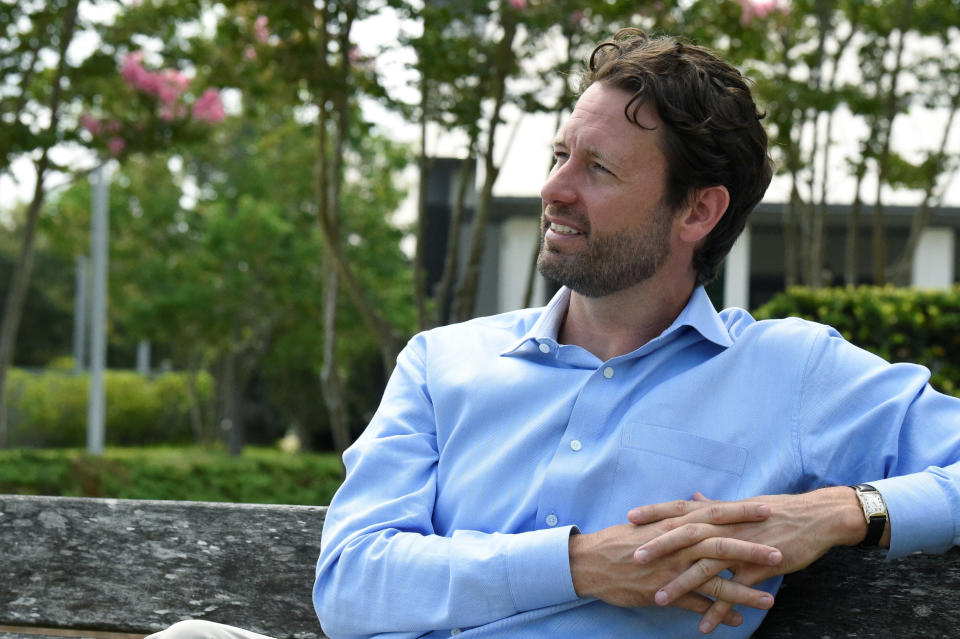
(49, 409)
(898, 324)
(260, 475)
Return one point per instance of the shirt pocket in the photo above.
(657, 464)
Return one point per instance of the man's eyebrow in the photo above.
(603, 157)
(593, 152)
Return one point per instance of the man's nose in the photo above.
(559, 187)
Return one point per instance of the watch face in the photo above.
(872, 504)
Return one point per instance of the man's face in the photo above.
(604, 226)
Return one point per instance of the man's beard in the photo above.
(608, 263)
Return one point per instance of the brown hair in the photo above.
(712, 136)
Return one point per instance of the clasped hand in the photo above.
(675, 544)
(707, 537)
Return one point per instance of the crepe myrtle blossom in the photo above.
(260, 31)
(91, 124)
(209, 107)
(116, 145)
(167, 85)
(761, 9)
(519, 5)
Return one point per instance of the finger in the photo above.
(717, 614)
(703, 577)
(702, 605)
(698, 496)
(713, 512)
(702, 542)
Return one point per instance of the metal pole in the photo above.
(143, 357)
(98, 320)
(80, 316)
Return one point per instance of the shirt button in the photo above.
(608, 372)
(576, 445)
(552, 520)
(544, 348)
(455, 632)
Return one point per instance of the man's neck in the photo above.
(620, 323)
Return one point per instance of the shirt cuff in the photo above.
(538, 568)
(919, 513)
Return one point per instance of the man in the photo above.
(490, 494)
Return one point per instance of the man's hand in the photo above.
(803, 527)
(604, 564)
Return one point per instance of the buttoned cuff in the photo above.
(919, 512)
(538, 568)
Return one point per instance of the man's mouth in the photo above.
(563, 229)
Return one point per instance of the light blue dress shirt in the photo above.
(493, 441)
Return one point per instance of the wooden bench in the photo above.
(129, 566)
(93, 567)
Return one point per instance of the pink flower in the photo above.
(249, 53)
(132, 66)
(208, 107)
(116, 145)
(761, 9)
(170, 112)
(577, 17)
(519, 5)
(170, 85)
(91, 124)
(260, 31)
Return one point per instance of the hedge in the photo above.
(898, 324)
(259, 475)
(49, 409)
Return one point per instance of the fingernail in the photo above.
(737, 618)
(642, 556)
(775, 557)
(704, 627)
(763, 510)
(660, 598)
(766, 601)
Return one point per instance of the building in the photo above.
(752, 274)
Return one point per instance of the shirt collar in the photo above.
(699, 314)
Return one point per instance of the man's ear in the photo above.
(707, 206)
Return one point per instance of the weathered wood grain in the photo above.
(854, 592)
(139, 566)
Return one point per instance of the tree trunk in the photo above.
(851, 271)
(330, 379)
(329, 176)
(883, 159)
(420, 293)
(901, 272)
(466, 297)
(20, 280)
(452, 257)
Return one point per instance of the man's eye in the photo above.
(600, 167)
(559, 156)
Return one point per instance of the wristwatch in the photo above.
(875, 512)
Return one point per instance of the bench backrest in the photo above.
(139, 566)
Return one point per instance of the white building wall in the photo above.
(933, 261)
(518, 236)
(736, 276)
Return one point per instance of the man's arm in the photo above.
(859, 419)
(384, 568)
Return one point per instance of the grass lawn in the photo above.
(260, 475)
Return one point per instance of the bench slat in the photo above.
(139, 566)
